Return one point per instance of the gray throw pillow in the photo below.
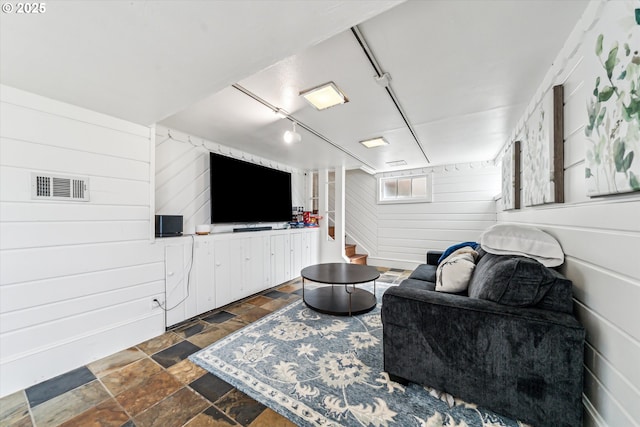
(511, 280)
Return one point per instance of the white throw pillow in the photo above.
(454, 272)
(523, 240)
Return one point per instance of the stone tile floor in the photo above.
(154, 383)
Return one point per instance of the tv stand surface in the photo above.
(242, 229)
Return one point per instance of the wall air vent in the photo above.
(48, 187)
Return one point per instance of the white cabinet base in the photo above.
(207, 272)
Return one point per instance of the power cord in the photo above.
(161, 305)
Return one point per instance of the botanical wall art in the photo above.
(511, 177)
(613, 107)
(542, 161)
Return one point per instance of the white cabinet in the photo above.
(202, 275)
(207, 272)
(310, 247)
(257, 266)
(175, 284)
(291, 252)
(189, 278)
(248, 257)
(181, 295)
(225, 274)
(296, 254)
(280, 258)
(241, 267)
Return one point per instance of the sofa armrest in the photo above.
(521, 362)
(433, 257)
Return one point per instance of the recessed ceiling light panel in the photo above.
(324, 96)
(397, 163)
(374, 142)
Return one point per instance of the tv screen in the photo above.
(244, 192)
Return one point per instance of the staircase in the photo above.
(355, 258)
(350, 251)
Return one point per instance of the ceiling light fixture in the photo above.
(324, 96)
(396, 163)
(306, 127)
(374, 142)
(291, 136)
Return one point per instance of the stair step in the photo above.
(358, 259)
(350, 250)
(354, 258)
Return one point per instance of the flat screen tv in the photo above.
(244, 192)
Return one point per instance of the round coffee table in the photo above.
(336, 299)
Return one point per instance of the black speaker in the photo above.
(168, 225)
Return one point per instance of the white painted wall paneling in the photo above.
(401, 234)
(182, 176)
(360, 211)
(600, 238)
(77, 278)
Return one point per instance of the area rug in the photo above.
(323, 370)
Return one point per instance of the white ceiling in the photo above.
(463, 71)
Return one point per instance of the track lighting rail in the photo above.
(291, 118)
(384, 79)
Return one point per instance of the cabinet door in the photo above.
(237, 262)
(266, 262)
(202, 276)
(278, 258)
(306, 249)
(255, 276)
(175, 284)
(222, 273)
(296, 255)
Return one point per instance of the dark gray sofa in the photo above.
(510, 344)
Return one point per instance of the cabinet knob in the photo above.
(170, 273)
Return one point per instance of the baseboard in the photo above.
(392, 263)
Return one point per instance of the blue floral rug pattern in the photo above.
(322, 370)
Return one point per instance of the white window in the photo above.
(404, 189)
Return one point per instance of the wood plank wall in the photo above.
(182, 176)
(76, 278)
(600, 238)
(399, 235)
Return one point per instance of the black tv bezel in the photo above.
(261, 189)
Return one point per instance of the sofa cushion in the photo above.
(559, 297)
(424, 272)
(418, 284)
(520, 281)
(454, 272)
(516, 239)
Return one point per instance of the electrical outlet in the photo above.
(155, 303)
